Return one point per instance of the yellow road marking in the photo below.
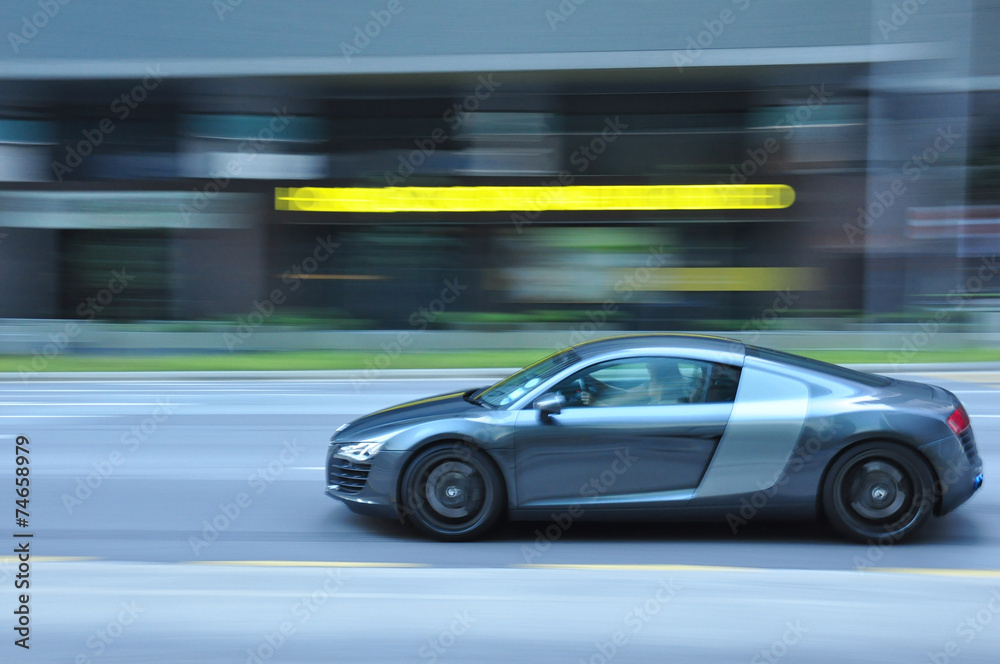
(931, 571)
(298, 563)
(649, 568)
(922, 571)
(969, 573)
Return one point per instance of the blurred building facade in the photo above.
(148, 140)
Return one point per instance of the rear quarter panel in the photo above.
(834, 415)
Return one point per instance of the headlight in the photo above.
(359, 451)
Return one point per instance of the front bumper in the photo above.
(371, 495)
(959, 469)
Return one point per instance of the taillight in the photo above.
(959, 420)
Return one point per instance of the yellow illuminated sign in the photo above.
(733, 279)
(538, 199)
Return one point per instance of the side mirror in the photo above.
(549, 404)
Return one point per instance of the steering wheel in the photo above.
(573, 391)
(591, 386)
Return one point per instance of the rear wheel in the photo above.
(452, 493)
(878, 491)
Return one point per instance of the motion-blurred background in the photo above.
(144, 148)
(201, 185)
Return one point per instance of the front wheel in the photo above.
(878, 490)
(452, 493)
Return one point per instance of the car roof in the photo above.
(660, 341)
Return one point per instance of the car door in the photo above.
(634, 443)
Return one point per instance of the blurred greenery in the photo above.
(511, 318)
(342, 359)
(280, 361)
(985, 354)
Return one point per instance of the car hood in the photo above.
(441, 406)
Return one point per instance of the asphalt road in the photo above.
(185, 521)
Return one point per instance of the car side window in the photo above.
(722, 383)
(649, 381)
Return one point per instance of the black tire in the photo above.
(452, 493)
(878, 492)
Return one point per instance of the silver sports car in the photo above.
(666, 426)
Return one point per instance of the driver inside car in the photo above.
(665, 385)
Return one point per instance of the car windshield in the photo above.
(515, 386)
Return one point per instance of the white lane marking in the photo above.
(64, 404)
(263, 594)
(49, 417)
(245, 383)
(228, 394)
